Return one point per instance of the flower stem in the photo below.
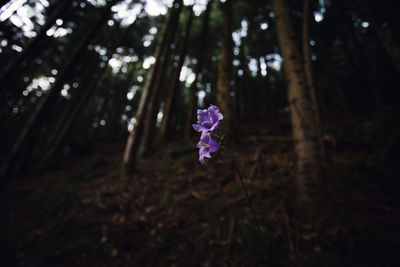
(261, 239)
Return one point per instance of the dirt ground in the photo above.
(174, 212)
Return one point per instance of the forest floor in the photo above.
(174, 212)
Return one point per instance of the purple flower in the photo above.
(208, 119)
(207, 145)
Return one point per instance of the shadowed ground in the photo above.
(174, 212)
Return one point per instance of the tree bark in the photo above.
(309, 73)
(27, 136)
(79, 100)
(243, 84)
(392, 49)
(11, 69)
(69, 117)
(155, 99)
(334, 80)
(224, 99)
(191, 115)
(384, 34)
(303, 120)
(134, 139)
(121, 102)
(14, 83)
(356, 51)
(163, 134)
(262, 98)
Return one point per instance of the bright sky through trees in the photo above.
(22, 15)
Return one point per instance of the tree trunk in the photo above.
(334, 80)
(191, 115)
(78, 102)
(309, 73)
(69, 117)
(44, 107)
(384, 34)
(357, 51)
(11, 69)
(14, 83)
(243, 84)
(163, 134)
(121, 102)
(224, 99)
(392, 49)
(262, 100)
(303, 120)
(134, 139)
(155, 99)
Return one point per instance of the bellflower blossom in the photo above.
(208, 119)
(207, 145)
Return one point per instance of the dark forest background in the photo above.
(99, 165)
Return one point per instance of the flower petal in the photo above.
(204, 152)
(205, 137)
(201, 111)
(203, 117)
(213, 108)
(214, 146)
(214, 126)
(208, 120)
(197, 127)
(214, 116)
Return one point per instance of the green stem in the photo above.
(251, 207)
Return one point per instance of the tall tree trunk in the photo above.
(69, 117)
(79, 102)
(392, 49)
(303, 120)
(134, 139)
(357, 51)
(243, 84)
(163, 134)
(39, 115)
(155, 99)
(121, 102)
(334, 80)
(224, 99)
(309, 73)
(11, 69)
(384, 34)
(15, 85)
(191, 115)
(264, 98)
